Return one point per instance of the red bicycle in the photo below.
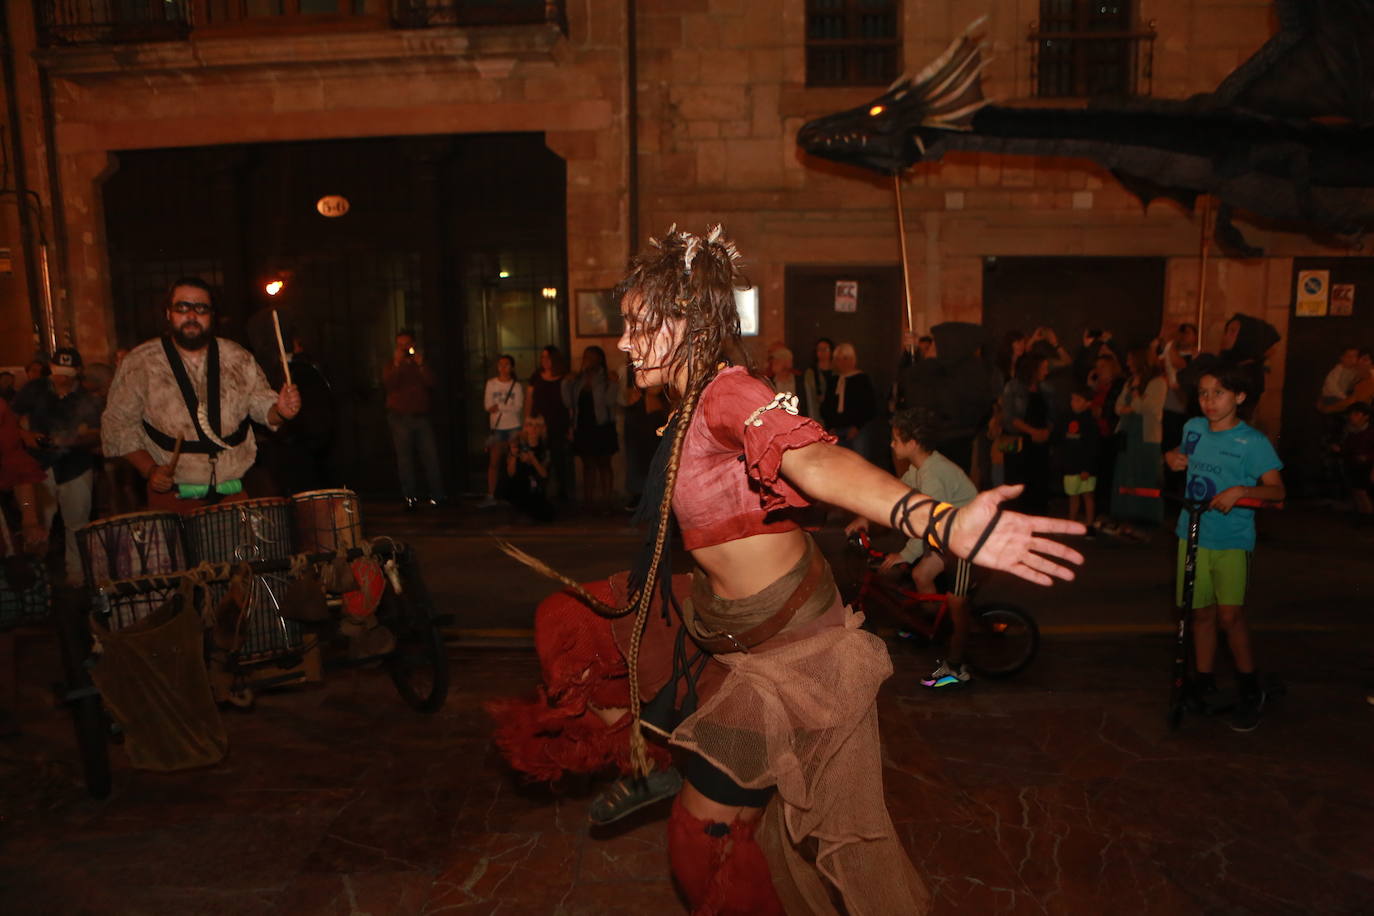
(1003, 638)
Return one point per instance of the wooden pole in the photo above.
(1202, 267)
(906, 267)
(281, 347)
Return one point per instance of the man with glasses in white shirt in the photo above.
(203, 389)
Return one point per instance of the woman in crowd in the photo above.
(819, 379)
(525, 485)
(545, 400)
(1141, 409)
(1026, 417)
(1107, 381)
(851, 402)
(504, 399)
(1002, 439)
(593, 396)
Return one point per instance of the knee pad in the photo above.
(720, 867)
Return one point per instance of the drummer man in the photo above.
(203, 388)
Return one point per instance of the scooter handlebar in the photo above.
(1155, 493)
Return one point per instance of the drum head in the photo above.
(126, 519)
(324, 494)
(266, 502)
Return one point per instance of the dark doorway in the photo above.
(455, 237)
(1313, 347)
(1071, 295)
(874, 327)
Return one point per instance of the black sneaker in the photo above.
(1246, 716)
(412, 504)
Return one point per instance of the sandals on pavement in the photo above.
(626, 796)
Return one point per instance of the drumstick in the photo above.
(281, 347)
(176, 455)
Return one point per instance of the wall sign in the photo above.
(846, 295)
(1343, 299)
(1314, 289)
(332, 205)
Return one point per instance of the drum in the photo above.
(125, 546)
(327, 520)
(247, 530)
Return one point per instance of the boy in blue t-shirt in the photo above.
(1227, 460)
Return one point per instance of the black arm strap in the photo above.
(987, 533)
(938, 523)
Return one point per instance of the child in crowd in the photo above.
(1078, 456)
(939, 478)
(1227, 460)
(1356, 449)
(527, 471)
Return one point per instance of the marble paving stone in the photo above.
(657, 897)
(351, 894)
(400, 830)
(639, 853)
(1020, 797)
(524, 872)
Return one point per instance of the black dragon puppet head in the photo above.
(885, 134)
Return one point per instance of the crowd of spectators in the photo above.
(57, 411)
(1074, 422)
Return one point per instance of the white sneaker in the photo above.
(946, 676)
(488, 501)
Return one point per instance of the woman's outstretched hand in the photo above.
(1017, 543)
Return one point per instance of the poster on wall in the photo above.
(1314, 287)
(846, 295)
(1343, 299)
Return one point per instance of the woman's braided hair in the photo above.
(691, 279)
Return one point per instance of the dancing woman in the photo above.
(751, 668)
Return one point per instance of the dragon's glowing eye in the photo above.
(876, 110)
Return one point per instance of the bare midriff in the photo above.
(748, 565)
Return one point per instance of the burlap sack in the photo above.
(153, 681)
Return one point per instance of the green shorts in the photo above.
(1074, 485)
(1221, 576)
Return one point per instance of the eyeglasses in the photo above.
(186, 308)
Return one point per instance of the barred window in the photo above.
(853, 42)
(1089, 48)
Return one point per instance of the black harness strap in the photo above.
(200, 447)
(188, 394)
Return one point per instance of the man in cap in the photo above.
(192, 385)
(70, 425)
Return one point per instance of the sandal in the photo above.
(628, 795)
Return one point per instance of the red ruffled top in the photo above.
(730, 483)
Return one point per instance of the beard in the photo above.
(191, 342)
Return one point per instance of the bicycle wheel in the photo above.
(419, 664)
(1003, 640)
(89, 721)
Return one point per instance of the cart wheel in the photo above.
(1002, 641)
(419, 663)
(91, 724)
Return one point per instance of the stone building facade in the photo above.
(693, 122)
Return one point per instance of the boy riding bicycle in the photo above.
(939, 478)
(1226, 460)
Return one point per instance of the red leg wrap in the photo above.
(720, 867)
(582, 667)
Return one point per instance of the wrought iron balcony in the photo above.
(95, 22)
(1071, 64)
(68, 22)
